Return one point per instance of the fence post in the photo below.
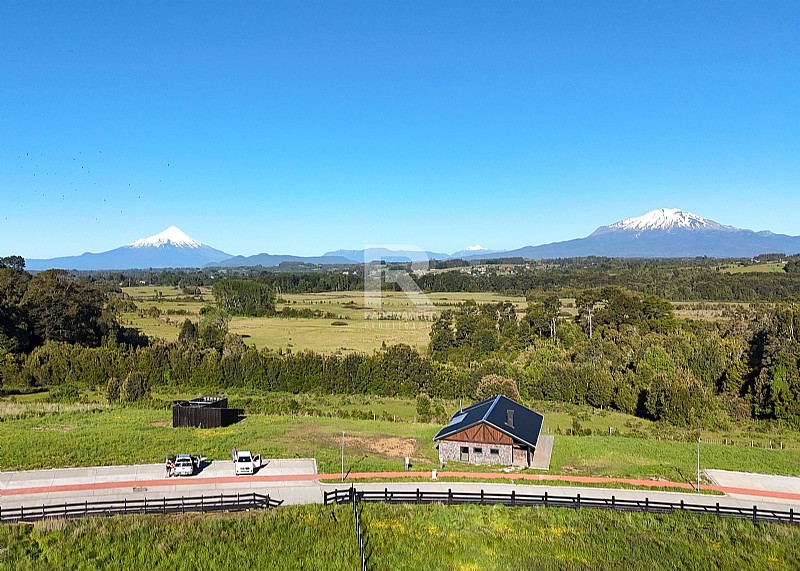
(755, 514)
(21, 513)
(717, 509)
(124, 506)
(681, 505)
(513, 498)
(165, 505)
(613, 502)
(202, 504)
(449, 496)
(386, 494)
(646, 505)
(85, 508)
(578, 500)
(183, 505)
(791, 515)
(418, 496)
(545, 499)
(481, 496)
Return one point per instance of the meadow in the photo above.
(431, 537)
(355, 327)
(301, 537)
(46, 435)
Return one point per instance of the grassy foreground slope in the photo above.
(303, 537)
(403, 537)
(476, 537)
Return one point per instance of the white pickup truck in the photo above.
(182, 465)
(245, 463)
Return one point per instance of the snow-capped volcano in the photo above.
(168, 249)
(172, 235)
(665, 219)
(666, 233)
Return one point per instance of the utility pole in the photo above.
(343, 456)
(698, 465)
(589, 312)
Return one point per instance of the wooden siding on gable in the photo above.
(482, 433)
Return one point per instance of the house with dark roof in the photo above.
(495, 431)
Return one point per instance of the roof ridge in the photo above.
(491, 408)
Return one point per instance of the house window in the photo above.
(477, 450)
(494, 451)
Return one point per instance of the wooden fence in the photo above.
(755, 514)
(220, 502)
(359, 530)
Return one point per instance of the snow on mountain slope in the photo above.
(665, 219)
(172, 235)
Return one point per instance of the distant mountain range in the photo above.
(662, 233)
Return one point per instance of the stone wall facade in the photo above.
(479, 452)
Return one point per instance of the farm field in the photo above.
(355, 326)
(768, 267)
(44, 436)
(352, 325)
(404, 537)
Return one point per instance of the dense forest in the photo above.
(624, 349)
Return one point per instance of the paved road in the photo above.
(296, 482)
(293, 480)
(749, 485)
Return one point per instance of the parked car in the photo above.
(245, 463)
(182, 465)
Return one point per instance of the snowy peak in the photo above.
(171, 236)
(665, 219)
(472, 252)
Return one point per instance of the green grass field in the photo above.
(408, 323)
(301, 537)
(476, 538)
(768, 267)
(400, 537)
(45, 436)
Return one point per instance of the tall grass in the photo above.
(303, 537)
(402, 537)
(475, 537)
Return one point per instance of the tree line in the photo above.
(620, 348)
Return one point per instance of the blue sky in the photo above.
(299, 127)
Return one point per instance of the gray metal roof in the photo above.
(502, 413)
